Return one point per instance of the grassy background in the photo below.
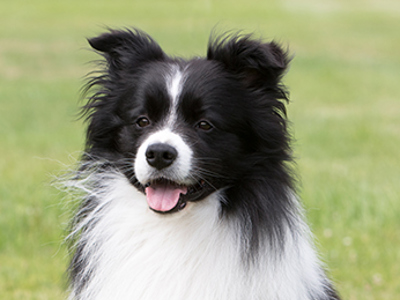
(345, 109)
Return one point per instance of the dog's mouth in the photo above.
(166, 196)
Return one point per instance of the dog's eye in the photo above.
(143, 122)
(204, 125)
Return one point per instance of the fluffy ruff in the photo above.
(187, 193)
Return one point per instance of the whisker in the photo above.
(205, 172)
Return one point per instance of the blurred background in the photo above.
(345, 113)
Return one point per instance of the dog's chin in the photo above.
(165, 196)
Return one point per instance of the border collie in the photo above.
(186, 185)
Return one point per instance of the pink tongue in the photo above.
(164, 197)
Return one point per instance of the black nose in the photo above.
(160, 155)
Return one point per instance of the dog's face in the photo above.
(184, 133)
(180, 130)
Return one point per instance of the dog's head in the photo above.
(182, 129)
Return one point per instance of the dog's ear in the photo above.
(257, 64)
(124, 49)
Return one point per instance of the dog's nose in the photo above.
(160, 155)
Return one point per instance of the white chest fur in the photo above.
(136, 254)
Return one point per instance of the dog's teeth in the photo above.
(182, 205)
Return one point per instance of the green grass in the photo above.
(345, 110)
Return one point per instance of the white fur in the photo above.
(179, 171)
(174, 81)
(193, 254)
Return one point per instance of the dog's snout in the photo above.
(160, 155)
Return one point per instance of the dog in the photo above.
(187, 188)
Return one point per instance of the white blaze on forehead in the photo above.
(175, 82)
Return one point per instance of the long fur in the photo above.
(241, 234)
